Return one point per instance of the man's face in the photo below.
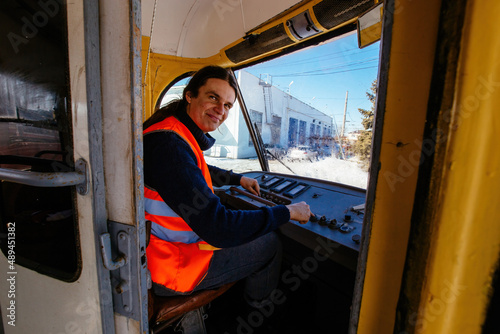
(211, 107)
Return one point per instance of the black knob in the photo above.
(356, 238)
(322, 221)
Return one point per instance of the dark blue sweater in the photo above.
(170, 168)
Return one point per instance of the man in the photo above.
(196, 243)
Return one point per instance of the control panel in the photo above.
(338, 209)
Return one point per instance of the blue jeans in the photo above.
(257, 262)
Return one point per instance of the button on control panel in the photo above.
(275, 198)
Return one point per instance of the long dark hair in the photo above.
(199, 79)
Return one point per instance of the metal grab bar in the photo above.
(78, 178)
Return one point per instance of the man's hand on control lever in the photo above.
(251, 185)
(299, 212)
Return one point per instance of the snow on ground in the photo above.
(331, 169)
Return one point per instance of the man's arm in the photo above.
(221, 177)
(186, 192)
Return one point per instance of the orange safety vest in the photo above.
(177, 257)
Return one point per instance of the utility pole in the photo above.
(345, 111)
(343, 126)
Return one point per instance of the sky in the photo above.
(321, 75)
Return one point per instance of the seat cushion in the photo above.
(165, 308)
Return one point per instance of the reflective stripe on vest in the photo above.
(165, 223)
(177, 257)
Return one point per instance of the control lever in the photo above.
(252, 196)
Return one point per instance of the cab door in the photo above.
(72, 235)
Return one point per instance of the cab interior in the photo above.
(317, 294)
(419, 240)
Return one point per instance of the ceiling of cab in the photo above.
(201, 28)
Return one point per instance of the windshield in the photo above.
(312, 111)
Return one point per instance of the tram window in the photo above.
(35, 135)
(296, 103)
(302, 97)
(174, 92)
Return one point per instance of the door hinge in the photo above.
(122, 262)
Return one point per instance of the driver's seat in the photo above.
(185, 311)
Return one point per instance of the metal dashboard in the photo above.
(338, 211)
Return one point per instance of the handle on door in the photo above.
(78, 178)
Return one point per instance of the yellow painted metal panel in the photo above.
(370, 34)
(370, 26)
(162, 70)
(467, 245)
(414, 34)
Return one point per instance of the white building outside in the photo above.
(282, 120)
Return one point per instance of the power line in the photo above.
(315, 60)
(323, 70)
(359, 62)
(333, 98)
(318, 74)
